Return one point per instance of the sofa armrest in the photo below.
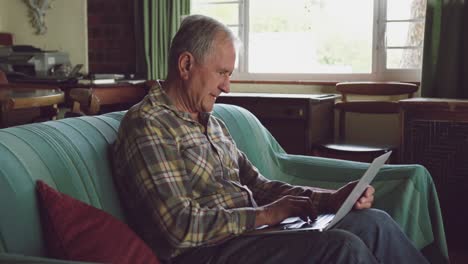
(20, 259)
(406, 192)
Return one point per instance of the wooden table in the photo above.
(91, 99)
(13, 98)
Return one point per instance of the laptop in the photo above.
(327, 221)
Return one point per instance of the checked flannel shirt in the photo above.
(185, 185)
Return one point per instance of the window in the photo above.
(324, 39)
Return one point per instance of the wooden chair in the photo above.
(344, 149)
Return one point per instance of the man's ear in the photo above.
(186, 61)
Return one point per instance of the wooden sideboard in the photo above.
(98, 99)
(435, 134)
(297, 121)
(96, 96)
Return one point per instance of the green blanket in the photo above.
(406, 192)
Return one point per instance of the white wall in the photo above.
(66, 22)
(2, 17)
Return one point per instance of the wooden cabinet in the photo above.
(435, 134)
(295, 120)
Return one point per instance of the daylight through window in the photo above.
(324, 39)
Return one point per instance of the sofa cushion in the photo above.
(74, 230)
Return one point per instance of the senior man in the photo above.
(191, 194)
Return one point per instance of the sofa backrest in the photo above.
(71, 155)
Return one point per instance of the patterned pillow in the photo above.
(74, 230)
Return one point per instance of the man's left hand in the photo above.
(339, 196)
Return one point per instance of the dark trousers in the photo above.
(363, 236)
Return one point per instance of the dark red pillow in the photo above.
(74, 230)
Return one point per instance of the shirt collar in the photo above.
(158, 97)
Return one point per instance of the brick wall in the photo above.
(111, 38)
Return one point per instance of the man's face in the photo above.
(211, 77)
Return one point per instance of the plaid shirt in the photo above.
(185, 185)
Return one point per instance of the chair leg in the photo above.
(47, 113)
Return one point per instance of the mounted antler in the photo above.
(37, 11)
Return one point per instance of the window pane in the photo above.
(228, 13)
(404, 58)
(405, 9)
(405, 34)
(401, 34)
(197, 2)
(304, 36)
(235, 30)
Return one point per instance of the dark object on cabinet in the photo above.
(435, 134)
(297, 121)
(6, 39)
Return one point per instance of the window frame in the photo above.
(379, 71)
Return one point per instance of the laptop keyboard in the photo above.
(322, 221)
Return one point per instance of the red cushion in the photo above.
(74, 230)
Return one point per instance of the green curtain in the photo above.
(161, 19)
(445, 57)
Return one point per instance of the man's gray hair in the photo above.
(196, 35)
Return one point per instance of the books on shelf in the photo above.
(109, 81)
(109, 78)
(96, 81)
(103, 81)
(100, 76)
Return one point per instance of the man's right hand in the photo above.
(287, 206)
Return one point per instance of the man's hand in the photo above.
(339, 196)
(287, 206)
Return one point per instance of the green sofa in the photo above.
(72, 155)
